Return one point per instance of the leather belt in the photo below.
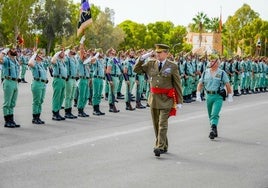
(101, 77)
(212, 92)
(83, 77)
(41, 80)
(72, 77)
(60, 77)
(13, 79)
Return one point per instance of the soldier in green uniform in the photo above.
(214, 79)
(255, 76)
(188, 73)
(112, 74)
(121, 77)
(83, 86)
(237, 75)
(262, 75)
(165, 94)
(23, 62)
(10, 73)
(59, 81)
(129, 77)
(98, 82)
(248, 74)
(70, 84)
(243, 75)
(38, 86)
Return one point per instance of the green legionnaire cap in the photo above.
(161, 48)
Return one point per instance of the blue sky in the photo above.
(177, 11)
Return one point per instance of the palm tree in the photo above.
(201, 22)
(214, 25)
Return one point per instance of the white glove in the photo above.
(198, 96)
(145, 56)
(82, 40)
(179, 106)
(57, 54)
(33, 57)
(230, 98)
(5, 51)
(87, 61)
(96, 55)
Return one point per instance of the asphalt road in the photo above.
(116, 150)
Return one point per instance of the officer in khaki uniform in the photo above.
(166, 92)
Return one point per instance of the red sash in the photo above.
(170, 93)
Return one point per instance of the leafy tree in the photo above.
(102, 33)
(14, 18)
(53, 20)
(214, 25)
(235, 31)
(135, 35)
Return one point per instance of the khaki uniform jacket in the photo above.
(168, 77)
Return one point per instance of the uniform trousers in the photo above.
(113, 92)
(70, 89)
(160, 123)
(10, 88)
(38, 91)
(214, 104)
(129, 89)
(83, 89)
(23, 71)
(140, 87)
(97, 90)
(58, 93)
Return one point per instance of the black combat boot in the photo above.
(213, 132)
(35, 120)
(95, 110)
(81, 113)
(120, 96)
(38, 117)
(98, 109)
(61, 117)
(13, 122)
(129, 107)
(112, 108)
(68, 114)
(8, 124)
(56, 116)
(139, 105)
